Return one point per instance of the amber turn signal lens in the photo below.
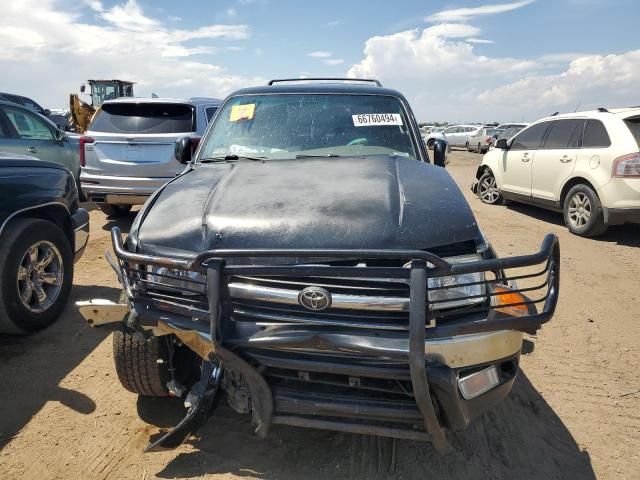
(512, 301)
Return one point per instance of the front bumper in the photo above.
(315, 376)
(80, 224)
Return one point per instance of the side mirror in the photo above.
(183, 150)
(440, 152)
(60, 135)
(82, 88)
(46, 112)
(502, 144)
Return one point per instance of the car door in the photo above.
(516, 162)
(556, 159)
(32, 135)
(449, 134)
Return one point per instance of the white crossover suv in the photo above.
(585, 164)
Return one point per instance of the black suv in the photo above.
(314, 266)
(43, 231)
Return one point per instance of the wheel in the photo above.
(36, 274)
(583, 212)
(430, 143)
(142, 365)
(115, 210)
(487, 190)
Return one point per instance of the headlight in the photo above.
(451, 291)
(184, 281)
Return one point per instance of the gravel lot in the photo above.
(574, 411)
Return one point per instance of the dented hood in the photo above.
(354, 202)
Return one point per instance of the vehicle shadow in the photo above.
(124, 222)
(520, 438)
(32, 366)
(627, 235)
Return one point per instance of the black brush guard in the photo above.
(423, 320)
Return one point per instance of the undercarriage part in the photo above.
(200, 402)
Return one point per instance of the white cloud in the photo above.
(39, 40)
(319, 54)
(465, 14)
(446, 79)
(479, 40)
(333, 23)
(334, 61)
(231, 12)
(591, 81)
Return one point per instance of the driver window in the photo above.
(530, 138)
(28, 126)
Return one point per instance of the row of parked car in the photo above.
(478, 138)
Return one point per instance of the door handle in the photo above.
(525, 159)
(32, 150)
(565, 159)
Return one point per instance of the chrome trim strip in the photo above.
(338, 300)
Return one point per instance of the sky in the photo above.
(455, 60)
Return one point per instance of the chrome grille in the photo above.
(356, 303)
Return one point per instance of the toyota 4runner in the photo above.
(313, 266)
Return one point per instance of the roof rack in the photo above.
(327, 79)
(603, 110)
(554, 114)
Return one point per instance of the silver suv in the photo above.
(128, 151)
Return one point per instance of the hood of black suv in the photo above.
(355, 202)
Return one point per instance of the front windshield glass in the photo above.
(282, 126)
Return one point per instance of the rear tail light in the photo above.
(627, 166)
(83, 141)
(488, 140)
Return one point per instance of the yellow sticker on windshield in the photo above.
(242, 112)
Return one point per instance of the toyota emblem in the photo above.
(314, 298)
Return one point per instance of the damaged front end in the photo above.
(397, 343)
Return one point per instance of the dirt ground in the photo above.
(573, 413)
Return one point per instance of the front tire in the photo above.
(142, 365)
(488, 190)
(583, 214)
(36, 275)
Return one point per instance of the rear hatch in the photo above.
(137, 139)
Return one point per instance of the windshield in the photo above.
(284, 126)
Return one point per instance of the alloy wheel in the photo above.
(40, 276)
(579, 210)
(487, 189)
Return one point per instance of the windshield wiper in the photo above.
(228, 158)
(329, 155)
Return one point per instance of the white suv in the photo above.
(128, 151)
(585, 164)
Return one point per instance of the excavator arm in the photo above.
(81, 113)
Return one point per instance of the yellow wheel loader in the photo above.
(100, 90)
